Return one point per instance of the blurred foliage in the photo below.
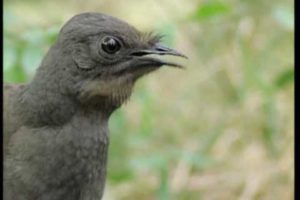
(222, 129)
(211, 9)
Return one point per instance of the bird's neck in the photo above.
(40, 107)
(47, 107)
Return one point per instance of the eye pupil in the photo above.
(110, 45)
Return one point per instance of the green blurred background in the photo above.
(221, 129)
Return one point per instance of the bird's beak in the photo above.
(158, 49)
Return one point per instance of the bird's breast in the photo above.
(88, 147)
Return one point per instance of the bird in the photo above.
(56, 135)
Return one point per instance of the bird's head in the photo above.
(100, 57)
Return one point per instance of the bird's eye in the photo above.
(110, 45)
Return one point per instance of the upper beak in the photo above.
(159, 49)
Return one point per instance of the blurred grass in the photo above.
(222, 129)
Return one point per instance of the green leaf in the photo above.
(15, 74)
(9, 54)
(271, 128)
(284, 78)
(164, 188)
(211, 9)
(119, 175)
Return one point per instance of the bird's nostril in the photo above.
(161, 48)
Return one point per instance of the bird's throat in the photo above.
(107, 93)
